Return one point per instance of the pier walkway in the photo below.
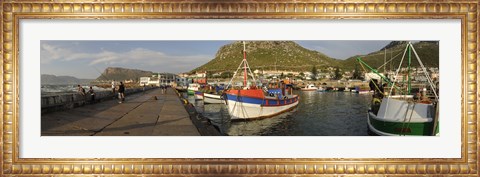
(143, 114)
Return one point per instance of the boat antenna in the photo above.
(244, 65)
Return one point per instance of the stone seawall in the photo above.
(65, 101)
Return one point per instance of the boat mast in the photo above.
(385, 61)
(432, 85)
(390, 60)
(244, 65)
(409, 63)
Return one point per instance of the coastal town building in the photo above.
(182, 81)
(158, 79)
(165, 78)
(144, 81)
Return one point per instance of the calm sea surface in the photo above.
(317, 114)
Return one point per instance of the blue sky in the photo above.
(87, 59)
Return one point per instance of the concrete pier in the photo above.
(143, 114)
(65, 101)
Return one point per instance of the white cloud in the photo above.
(132, 58)
(50, 53)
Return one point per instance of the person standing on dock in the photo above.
(81, 91)
(92, 95)
(121, 92)
(113, 88)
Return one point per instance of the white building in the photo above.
(182, 81)
(370, 76)
(183, 75)
(158, 79)
(201, 74)
(154, 81)
(166, 78)
(144, 81)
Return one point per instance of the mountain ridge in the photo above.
(120, 74)
(267, 55)
(428, 51)
(49, 79)
(288, 55)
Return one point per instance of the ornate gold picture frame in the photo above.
(14, 11)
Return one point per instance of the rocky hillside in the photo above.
(47, 79)
(285, 55)
(119, 74)
(427, 51)
(288, 55)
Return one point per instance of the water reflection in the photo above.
(317, 114)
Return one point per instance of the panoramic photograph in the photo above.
(239, 88)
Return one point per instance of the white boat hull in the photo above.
(401, 118)
(212, 98)
(240, 110)
(309, 87)
(365, 92)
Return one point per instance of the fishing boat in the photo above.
(309, 87)
(401, 115)
(213, 94)
(213, 98)
(364, 91)
(321, 89)
(252, 102)
(198, 95)
(360, 90)
(181, 88)
(192, 88)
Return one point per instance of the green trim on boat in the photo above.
(401, 128)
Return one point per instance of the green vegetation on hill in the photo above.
(427, 51)
(288, 55)
(267, 55)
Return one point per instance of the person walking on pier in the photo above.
(113, 88)
(144, 88)
(162, 87)
(121, 92)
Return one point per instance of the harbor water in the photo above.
(72, 88)
(317, 114)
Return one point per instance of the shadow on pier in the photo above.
(142, 114)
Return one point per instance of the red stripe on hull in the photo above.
(254, 93)
(277, 102)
